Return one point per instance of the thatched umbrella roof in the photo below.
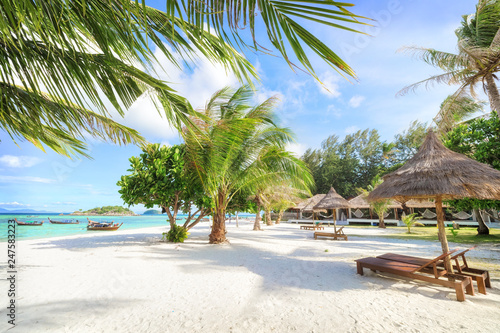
(421, 204)
(311, 202)
(360, 202)
(332, 200)
(437, 171)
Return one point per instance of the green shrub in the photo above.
(176, 235)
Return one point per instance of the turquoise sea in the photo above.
(55, 230)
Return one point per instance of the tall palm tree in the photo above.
(454, 110)
(240, 147)
(478, 58)
(62, 61)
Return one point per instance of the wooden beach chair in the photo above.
(337, 234)
(482, 277)
(318, 226)
(421, 272)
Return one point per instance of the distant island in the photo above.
(106, 211)
(152, 212)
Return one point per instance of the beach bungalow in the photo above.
(361, 213)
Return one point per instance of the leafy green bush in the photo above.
(176, 235)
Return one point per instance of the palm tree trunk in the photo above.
(381, 223)
(493, 94)
(218, 234)
(237, 220)
(268, 217)
(256, 225)
(280, 216)
(483, 228)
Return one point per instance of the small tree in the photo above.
(160, 177)
(379, 206)
(410, 221)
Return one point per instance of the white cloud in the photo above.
(330, 85)
(297, 148)
(196, 83)
(351, 129)
(64, 203)
(14, 204)
(333, 110)
(25, 179)
(19, 161)
(356, 101)
(264, 94)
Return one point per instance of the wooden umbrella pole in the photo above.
(334, 220)
(442, 232)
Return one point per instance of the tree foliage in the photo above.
(407, 143)
(345, 165)
(478, 139)
(161, 177)
(107, 210)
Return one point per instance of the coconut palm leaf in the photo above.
(61, 126)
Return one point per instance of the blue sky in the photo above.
(30, 178)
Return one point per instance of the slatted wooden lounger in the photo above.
(418, 272)
(338, 234)
(312, 227)
(482, 277)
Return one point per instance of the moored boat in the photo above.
(63, 222)
(109, 226)
(33, 223)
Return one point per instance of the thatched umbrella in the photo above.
(332, 200)
(436, 172)
(311, 202)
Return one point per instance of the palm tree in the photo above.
(240, 147)
(379, 206)
(62, 61)
(281, 197)
(478, 57)
(455, 110)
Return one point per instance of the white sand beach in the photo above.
(276, 280)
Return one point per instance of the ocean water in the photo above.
(55, 230)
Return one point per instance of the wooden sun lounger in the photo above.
(338, 234)
(312, 227)
(459, 282)
(482, 277)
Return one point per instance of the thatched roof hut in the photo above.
(361, 202)
(435, 172)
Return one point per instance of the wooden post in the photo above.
(442, 232)
(334, 220)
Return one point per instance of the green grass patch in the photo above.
(464, 235)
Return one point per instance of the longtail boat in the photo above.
(33, 224)
(109, 226)
(63, 222)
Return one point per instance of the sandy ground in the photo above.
(276, 280)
